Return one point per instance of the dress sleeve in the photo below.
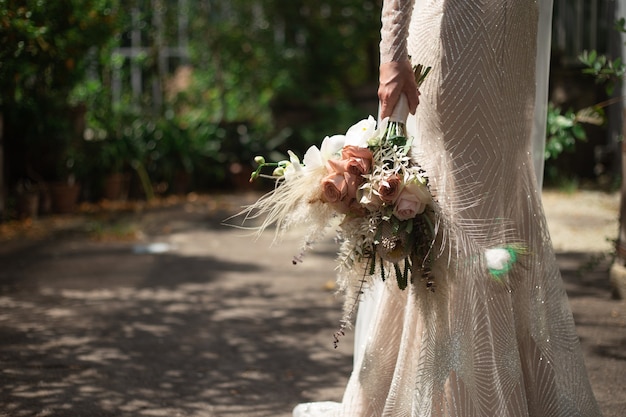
(395, 18)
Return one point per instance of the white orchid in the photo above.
(361, 133)
(331, 146)
(293, 168)
(330, 149)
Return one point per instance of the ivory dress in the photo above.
(476, 346)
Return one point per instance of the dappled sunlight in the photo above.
(183, 335)
(103, 356)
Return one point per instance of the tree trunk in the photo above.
(3, 191)
(617, 276)
(618, 269)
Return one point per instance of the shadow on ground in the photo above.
(94, 329)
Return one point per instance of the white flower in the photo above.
(293, 168)
(361, 133)
(369, 199)
(331, 147)
(498, 259)
(418, 186)
(313, 159)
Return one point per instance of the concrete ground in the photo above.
(162, 311)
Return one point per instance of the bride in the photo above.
(473, 345)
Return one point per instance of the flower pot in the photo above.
(116, 186)
(64, 197)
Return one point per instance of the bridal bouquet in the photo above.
(366, 183)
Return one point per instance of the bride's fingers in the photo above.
(396, 78)
(387, 104)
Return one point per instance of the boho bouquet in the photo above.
(366, 181)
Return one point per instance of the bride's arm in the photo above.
(396, 74)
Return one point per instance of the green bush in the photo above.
(44, 53)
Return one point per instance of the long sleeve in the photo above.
(396, 16)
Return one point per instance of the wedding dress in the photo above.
(472, 345)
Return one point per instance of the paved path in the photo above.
(218, 324)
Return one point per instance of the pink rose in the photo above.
(353, 182)
(357, 166)
(356, 152)
(336, 166)
(359, 160)
(411, 202)
(334, 188)
(389, 189)
(339, 190)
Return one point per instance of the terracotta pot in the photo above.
(116, 186)
(64, 197)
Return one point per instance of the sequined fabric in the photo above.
(475, 346)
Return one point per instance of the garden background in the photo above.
(111, 100)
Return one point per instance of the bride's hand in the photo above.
(396, 78)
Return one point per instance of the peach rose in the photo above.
(359, 160)
(336, 166)
(411, 201)
(389, 189)
(339, 190)
(334, 188)
(353, 182)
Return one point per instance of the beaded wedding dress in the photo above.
(471, 345)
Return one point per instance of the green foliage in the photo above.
(262, 79)
(563, 130)
(45, 43)
(45, 50)
(255, 63)
(604, 69)
(265, 77)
